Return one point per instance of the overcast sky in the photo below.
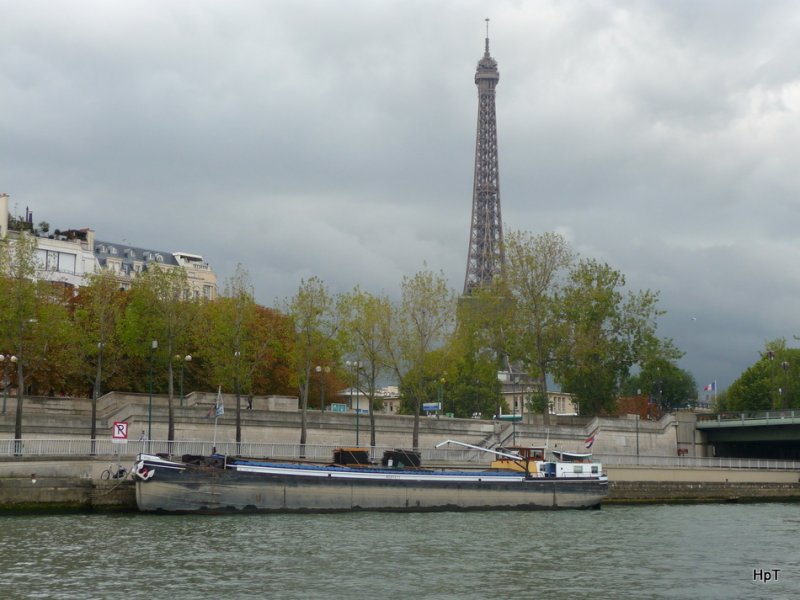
(337, 139)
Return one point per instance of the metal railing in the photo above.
(696, 462)
(82, 448)
(78, 448)
(770, 416)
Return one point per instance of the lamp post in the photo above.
(4, 360)
(237, 355)
(785, 387)
(96, 394)
(23, 327)
(186, 359)
(153, 346)
(320, 370)
(355, 365)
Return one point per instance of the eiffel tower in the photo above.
(486, 257)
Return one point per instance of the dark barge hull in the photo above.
(213, 490)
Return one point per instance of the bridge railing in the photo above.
(763, 415)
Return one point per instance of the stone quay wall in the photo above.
(275, 419)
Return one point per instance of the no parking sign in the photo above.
(119, 432)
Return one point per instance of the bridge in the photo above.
(766, 434)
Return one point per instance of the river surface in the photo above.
(665, 551)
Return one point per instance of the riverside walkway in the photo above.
(65, 474)
(70, 448)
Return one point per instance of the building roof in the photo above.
(128, 255)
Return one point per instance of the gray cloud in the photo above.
(336, 139)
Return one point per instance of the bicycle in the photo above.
(114, 472)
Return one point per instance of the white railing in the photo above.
(83, 448)
(80, 448)
(696, 462)
(729, 418)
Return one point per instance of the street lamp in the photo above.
(320, 370)
(153, 346)
(785, 399)
(355, 365)
(96, 394)
(186, 359)
(237, 355)
(4, 360)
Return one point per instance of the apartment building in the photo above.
(68, 256)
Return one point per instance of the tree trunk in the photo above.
(304, 394)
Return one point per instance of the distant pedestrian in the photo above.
(143, 437)
(250, 402)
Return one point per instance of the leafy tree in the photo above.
(98, 314)
(772, 382)
(421, 323)
(535, 270)
(477, 350)
(34, 322)
(231, 349)
(667, 385)
(160, 310)
(605, 332)
(313, 313)
(361, 317)
(473, 387)
(271, 345)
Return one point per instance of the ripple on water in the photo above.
(706, 551)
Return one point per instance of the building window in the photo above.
(51, 261)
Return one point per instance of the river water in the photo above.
(664, 551)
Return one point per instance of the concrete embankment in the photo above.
(62, 486)
(642, 485)
(65, 494)
(31, 485)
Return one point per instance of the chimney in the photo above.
(89, 239)
(3, 215)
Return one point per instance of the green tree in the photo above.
(98, 317)
(314, 315)
(229, 344)
(772, 382)
(472, 385)
(536, 267)
(34, 323)
(605, 332)
(421, 323)
(477, 350)
(362, 315)
(667, 385)
(160, 309)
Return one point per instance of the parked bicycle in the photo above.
(114, 472)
